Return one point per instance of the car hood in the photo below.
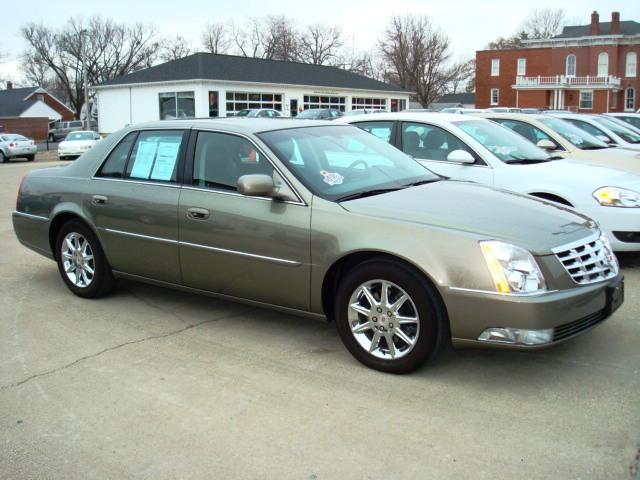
(628, 160)
(588, 174)
(481, 210)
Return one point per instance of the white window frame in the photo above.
(521, 67)
(631, 64)
(582, 92)
(242, 100)
(627, 97)
(573, 64)
(497, 92)
(495, 67)
(603, 64)
(313, 101)
(362, 103)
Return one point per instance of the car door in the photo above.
(431, 146)
(133, 200)
(247, 247)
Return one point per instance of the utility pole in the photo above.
(83, 53)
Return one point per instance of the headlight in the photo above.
(617, 197)
(514, 270)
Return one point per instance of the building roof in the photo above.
(209, 66)
(627, 27)
(465, 98)
(13, 103)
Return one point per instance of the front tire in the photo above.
(389, 317)
(81, 261)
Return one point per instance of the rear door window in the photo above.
(155, 156)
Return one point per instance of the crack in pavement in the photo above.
(121, 345)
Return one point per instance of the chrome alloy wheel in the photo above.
(77, 260)
(383, 319)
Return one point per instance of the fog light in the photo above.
(516, 336)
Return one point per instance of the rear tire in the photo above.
(396, 332)
(2, 158)
(30, 158)
(81, 261)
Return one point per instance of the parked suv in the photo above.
(62, 129)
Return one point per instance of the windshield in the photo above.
(80, 136)
(623, 132)
(578, 137)
(633, 121)
(309, 114)
(339, 161)
(502, 142)
(243, 113)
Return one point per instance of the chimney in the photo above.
(9, 85)
(615, 23)
(595, 24)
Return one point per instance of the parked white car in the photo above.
(463, 147)
(76, 143)
(461, 110)
(630, 119)
(562, 138)
(604, 129)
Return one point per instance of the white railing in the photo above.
(567, 81)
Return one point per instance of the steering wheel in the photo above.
(358, 162)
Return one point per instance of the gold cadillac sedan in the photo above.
(327, 221)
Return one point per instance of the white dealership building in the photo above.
(206, 85)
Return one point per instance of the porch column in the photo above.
(608, 100)
(517, 98)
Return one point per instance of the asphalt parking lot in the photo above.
(153, 383)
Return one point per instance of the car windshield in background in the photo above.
(624, 133)
(243, 113)
(508, 146)
(79, 136)
(13, 138)
(578, 137)
(340, 162)
(310, 114)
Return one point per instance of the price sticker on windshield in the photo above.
(331, 178)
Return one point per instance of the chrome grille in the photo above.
(588, 261)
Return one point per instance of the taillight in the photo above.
(20, 190)
(11, 145)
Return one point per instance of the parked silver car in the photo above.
(13, 145)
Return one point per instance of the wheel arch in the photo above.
(552, 197)
(59, 219)
(350, 260)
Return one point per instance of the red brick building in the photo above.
(587, 68)
(30, 111)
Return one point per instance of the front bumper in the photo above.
(616, 219)
(568, 312)
(72, 152)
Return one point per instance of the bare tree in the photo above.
(544, 23)
(460, 75)
(111, 50)
(320, 44)
(174, 48)
(272, 37)
(417, 55)
(506, 43)
(215, 38)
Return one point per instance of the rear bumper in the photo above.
(22, 152)
(569, 312)
(32, 231)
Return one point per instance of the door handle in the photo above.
(197, 213)
(99, 199)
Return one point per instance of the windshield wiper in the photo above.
(423, 182)
(368, 193)
(524, 161)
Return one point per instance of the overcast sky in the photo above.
(470, 24)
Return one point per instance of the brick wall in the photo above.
(34, 127)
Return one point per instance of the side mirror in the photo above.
(546, 144)
(604, 138)
(256, 185)
(461, 156)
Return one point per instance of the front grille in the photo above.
(569, 329)
(588, 262)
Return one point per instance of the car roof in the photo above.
(432, 117)
(511, 115)
(247, 125)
